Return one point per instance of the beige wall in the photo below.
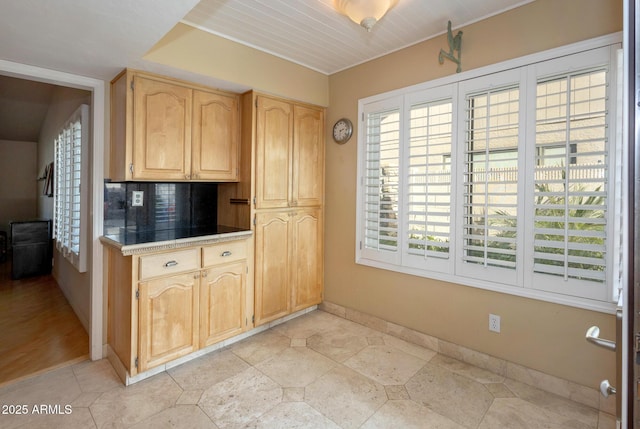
(190, 49)
(18, 185)
(536, 334)
(75, 286)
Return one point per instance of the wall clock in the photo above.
(342, 130)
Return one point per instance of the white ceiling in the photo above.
(98, 38)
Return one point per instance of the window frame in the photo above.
(529, 70)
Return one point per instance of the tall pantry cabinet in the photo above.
(286, 195)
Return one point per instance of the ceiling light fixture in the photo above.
(364, 12)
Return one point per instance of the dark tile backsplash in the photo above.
(166, 207)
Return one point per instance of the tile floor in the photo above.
(316, 371)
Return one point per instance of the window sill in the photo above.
(566, 300)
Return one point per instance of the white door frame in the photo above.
(97, 89)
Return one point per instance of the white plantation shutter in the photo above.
(381, 182)
(571, 176)
(428, 202)
(70, 188)
(75, 167)
(491, 178)
(511, 180)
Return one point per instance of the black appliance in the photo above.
(31, 248)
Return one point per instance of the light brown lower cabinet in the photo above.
(168, 319)
(222, 294)
(289, 266)
(166, 305)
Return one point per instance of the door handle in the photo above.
(607, 389)
(593, 336)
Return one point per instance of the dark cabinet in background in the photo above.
(31, 248)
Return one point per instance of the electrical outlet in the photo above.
(494, 323)
(137, 198)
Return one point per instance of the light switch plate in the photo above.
(137, 198)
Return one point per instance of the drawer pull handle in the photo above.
(170, 264)
(225, 253)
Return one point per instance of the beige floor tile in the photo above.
(408, 414)
(306, 325)
(473, 372)
(385, 364)
(376, 341)
(207, 370)
(58, 387)
(553, 403)
(296, 367)
(98, 376)
(338, 346)
(348, 326)
(79, 418)
(454, 396)
(86, 399)
(180, 416)
(499, 390)
(515, 413)
(293, 394)
(260, 347)
(189, 397)
(345, 396)
(294, 415)
(407, 347)
(396, 393)
(317, 371)
(298, 342)
(239, 400)
(125, 406)
(606, 421)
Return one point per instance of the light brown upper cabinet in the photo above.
(215, 136)
(165, 129)
(289, 154)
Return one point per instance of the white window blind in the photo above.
(381, 180)
(491, 178)
(70, 193)
(505, 180)
(571, 176)
(429, 179)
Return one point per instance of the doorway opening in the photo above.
(89, 306)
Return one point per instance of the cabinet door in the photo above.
(215, 136)
(272, 266)
(161, 130)
(308, 157)
(222, 302)
(168, 319)
(274, 139)
(307, 266)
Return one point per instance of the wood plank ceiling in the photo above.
(312, 33)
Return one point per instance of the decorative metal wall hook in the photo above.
(455, 44)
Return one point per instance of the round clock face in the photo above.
(342, 130)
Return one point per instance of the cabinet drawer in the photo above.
(224, 252)
(169, 263)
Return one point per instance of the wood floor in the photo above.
(38, 329)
